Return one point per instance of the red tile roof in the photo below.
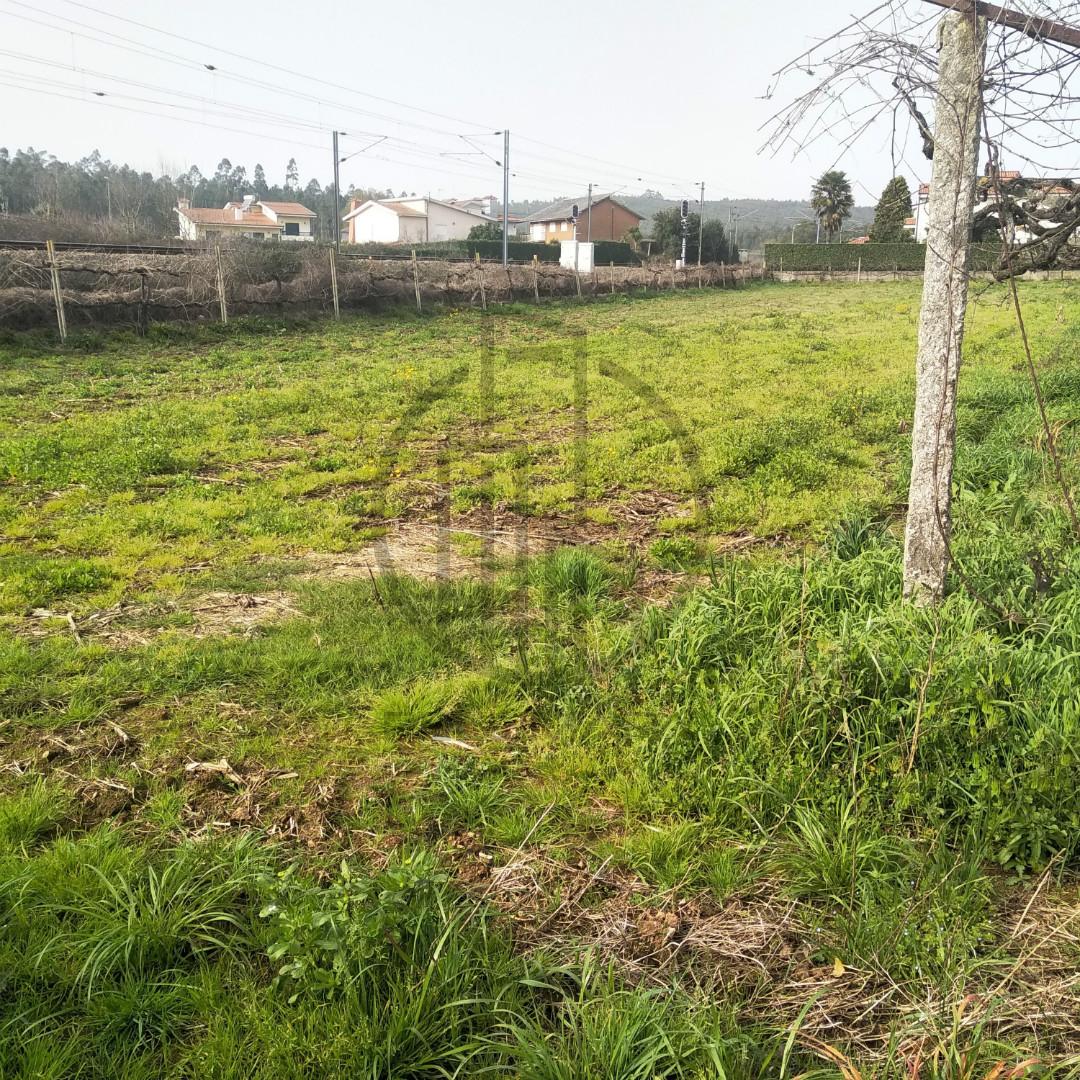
(206, 215)
(288, 209)
(404, 211)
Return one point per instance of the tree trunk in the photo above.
(944, 305)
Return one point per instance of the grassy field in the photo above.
(532, 696)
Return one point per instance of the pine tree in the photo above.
(893, 209)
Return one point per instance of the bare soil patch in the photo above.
(433, 551)
(127, 625)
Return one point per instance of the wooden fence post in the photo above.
(416, 282)
(673, 276)
(480, 275)
(58, 296)
(333, 283)
(858, 272)
(577, 280)
(144, 304)
(613, 277)
(220, 274)
(536, 278)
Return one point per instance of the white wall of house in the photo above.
(922, 219)
(376, 224)
(451, 222)
(379, 224)
(412, 230)
(187, 228)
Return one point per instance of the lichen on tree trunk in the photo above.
(944, 305)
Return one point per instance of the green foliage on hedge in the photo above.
(518, 250)
(605, 251)
(901, 256)
(613, 251)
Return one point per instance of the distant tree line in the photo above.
(126, 202)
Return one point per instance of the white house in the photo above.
(253, 218)
(404, 221)
(1033, 194)
(477, 204)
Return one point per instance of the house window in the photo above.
(551, 227)
(292, 228)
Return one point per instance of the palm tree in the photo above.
(831, 200)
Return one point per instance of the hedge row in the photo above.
(907, 256)
(605, 251)
(613, 251)
(518, 250)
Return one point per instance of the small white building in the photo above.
(410, 221)
(253, 218)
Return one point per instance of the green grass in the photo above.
(666, 804)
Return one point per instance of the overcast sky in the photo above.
(624, 94)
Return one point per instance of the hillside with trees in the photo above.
(95, 198)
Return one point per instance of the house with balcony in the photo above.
(250, 218)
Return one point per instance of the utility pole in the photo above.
(588, 229)
(957, 119)
(108, 196)
(700, 222)
(684, 209)
(506, 197)
(573, 221)
(336, 234)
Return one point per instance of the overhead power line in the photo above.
(564, 159)
(275, 67)
(150, 112)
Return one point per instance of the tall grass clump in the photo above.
(788, 685)
(122, 958)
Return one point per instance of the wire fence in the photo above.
(87, 287)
